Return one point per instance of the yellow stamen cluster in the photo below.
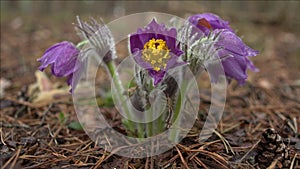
(156, 53)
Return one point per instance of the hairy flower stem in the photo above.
(120, 90)
(140, 130)
(82, 43)
(149, 126)
(175, 128)
(160, 124)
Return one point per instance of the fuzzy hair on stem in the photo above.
(99, 36)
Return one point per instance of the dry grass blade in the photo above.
(225, 142)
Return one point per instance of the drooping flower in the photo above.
(236, 64)
(229, 44)
(62, 57)
(154, 48)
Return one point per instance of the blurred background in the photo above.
(28, 28)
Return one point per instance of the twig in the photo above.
(130, 166)
(289, 122)
(8, 161)
(168, 163)
(199, 162)
(55, 135)
(151, 163)
(45, 113)
(146, 164)
(16, 158)
(182, 159)
(231, 127)
(293, 161)
(99, 162)
(104, 157)
(225, 142)
(25, 103)
(240, 160)
(213, 155)
(273, 164)
(1, 136)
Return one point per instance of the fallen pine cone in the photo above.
(272, 151)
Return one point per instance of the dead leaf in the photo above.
(44, 92)
(3, 85)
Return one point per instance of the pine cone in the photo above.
(270, 148)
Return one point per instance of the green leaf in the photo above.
(75, 125)
(62, 118)
(109, 102)
(106, 100)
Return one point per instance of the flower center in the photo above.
(156, 53)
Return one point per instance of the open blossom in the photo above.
(62, 57)
(229, 44)
(154, 48)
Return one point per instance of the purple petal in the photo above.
(155, 31)
(135, 43)
(49, 56)
(230, 44)
(173, 62)
(139, 60)
(157, 76)
(234, 69)
(251, 65)
(215, 21)
(236, 66)
(65, 63)
(233, 43)
(62, 57)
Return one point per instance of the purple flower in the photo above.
(207, 21)
(154, 48)
(62, 57)
(229, 44)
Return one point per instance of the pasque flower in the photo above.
(154, 48)
(229, 44)
(62, 57)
